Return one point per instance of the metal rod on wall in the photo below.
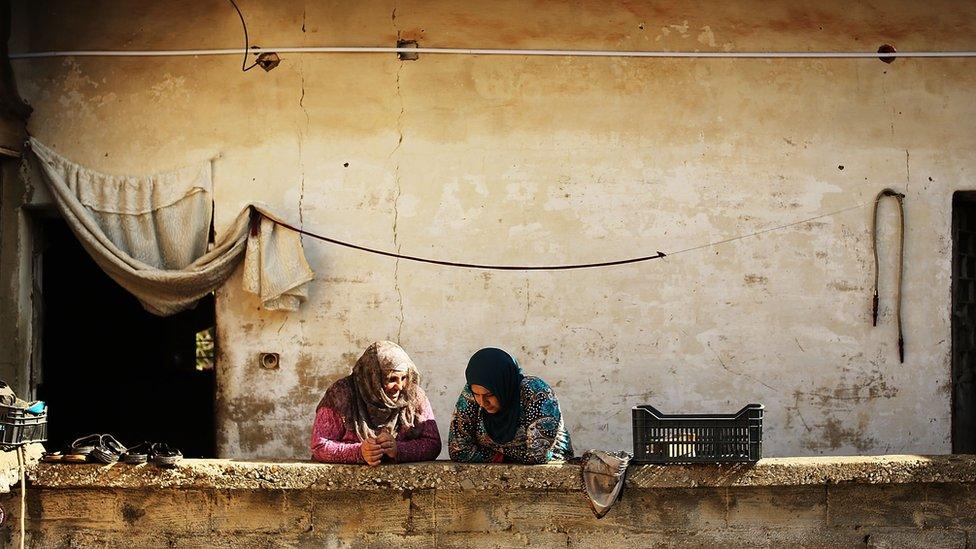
(476, 51)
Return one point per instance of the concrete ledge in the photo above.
(886, 501)
(444, 475)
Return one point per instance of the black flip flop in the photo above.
(162, 455)
(84, 445)
(137, 455)
(79, 450)
(108, 450)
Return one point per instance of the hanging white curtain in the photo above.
(150, 234)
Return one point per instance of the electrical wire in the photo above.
(566, 267)
(486, 267)
(244, 66)
(483, 51)
(771, 229)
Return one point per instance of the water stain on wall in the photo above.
(832, 434)
(250, 415)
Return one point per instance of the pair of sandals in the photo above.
(91, 448)
(159, 453)
(107, 449)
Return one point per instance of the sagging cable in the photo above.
(565, 267)
(247, 44)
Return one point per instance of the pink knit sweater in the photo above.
(333, 443)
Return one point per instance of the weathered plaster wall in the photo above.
(17, 337)
(555, 160)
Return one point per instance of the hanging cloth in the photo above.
(900, 199)
(603, 475)
(151, 235)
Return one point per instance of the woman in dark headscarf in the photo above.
(505, 416)
(378, 412)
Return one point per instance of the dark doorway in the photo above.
(108, 366)
(964, 323)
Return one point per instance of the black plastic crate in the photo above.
(697, 438)
(18, 426)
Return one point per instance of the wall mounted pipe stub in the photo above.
(269, 361)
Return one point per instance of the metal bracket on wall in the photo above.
(407, 55)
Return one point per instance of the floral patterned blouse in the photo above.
(541, 436)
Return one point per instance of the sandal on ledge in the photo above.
(137, 455)
(108, 451)
(162, 455)
(79, 450)
(84, 445)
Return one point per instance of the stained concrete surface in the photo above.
(245, 475)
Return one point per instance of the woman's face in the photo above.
(486, 399)
(394, 383)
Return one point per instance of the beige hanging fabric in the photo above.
(150, 234)
(274, 263)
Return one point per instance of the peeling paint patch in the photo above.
(755, 280)
(844, 286)
(245, 408)
(833, 435)
(312, 384)
(170, 87)
(707, 37)
(253, 434)
(247, 413)
(867, 387)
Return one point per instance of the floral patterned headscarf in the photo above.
(370, 409)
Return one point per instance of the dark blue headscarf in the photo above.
(499, 372)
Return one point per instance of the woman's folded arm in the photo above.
(542, 434)
(540, 440)
(326, 439)
(427, 446)
(461, 442)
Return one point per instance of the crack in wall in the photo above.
(302, 133)
(396, 264)
(735, 372)
(396, 179)
(908, 171)
(797, 340)
(799, 414)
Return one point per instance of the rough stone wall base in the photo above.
(903, 515)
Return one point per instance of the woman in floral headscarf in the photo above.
(377, 413)
(506, 416)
